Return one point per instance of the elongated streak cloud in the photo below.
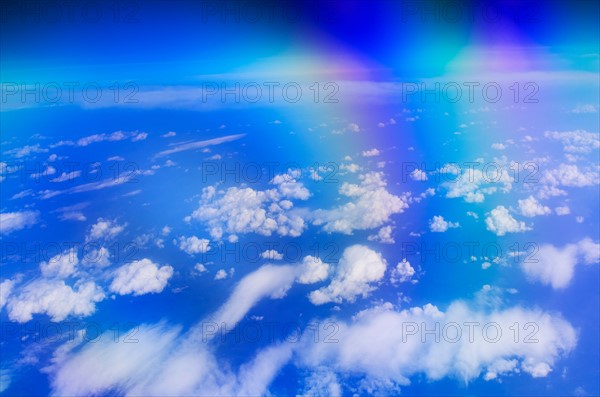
(198, 144)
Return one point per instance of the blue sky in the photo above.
(363, 199)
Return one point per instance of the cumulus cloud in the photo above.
(245, 210)
(578, 141)
(555, 266)
(272, 255)
(439, 225)
(358, 269)
(372, 206)
(167, 361)
(193, 245)
(569, 175)
(472, 184)
(402, 273)
(563, 210)
(221, 274)
(384, 235)
(418, 175)
(141, 277)
(351, 127)
(200, 268)
(370, 153)
(363, 348)
(530, 207)
(54, 298)
(500, 221)
(312, 270)
(289, 187)
(322, 382)
(99, 257)
(104, 229)
(12, 221)
(60, 266)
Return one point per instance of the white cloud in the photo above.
(26, 151)
(530, 207)
(6, 288)
(289, 187)
(384, 235)
(99, 257)
(578, 141)
(239, 211)
(112, 137)
(555, 266)
(472, 184)
(104, 229)
(5, 379)
(271, 255)
(561, 211)
(166, 361)
(371, 153)
(363, 348)
(169, 134)
(498, 146)
(267, 281)
(193, 245)
(500, 221)
(312, 270)
(11, 221)
(72, 216)
(221, 274)
(60, 266)
(353, 168)
(22, 194)
(352, 127)
(141, 277)
(322, 382)
(66, 176)
(472, 214)
(418, 175)
(140, 137)
(200, 268)
(569, 175)
(358, 269)
(49, 170)
(162, 361)
(587, 108)
(373, 206)
(54, 298)
(199, 144)
(439, 225)
(402, 273)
